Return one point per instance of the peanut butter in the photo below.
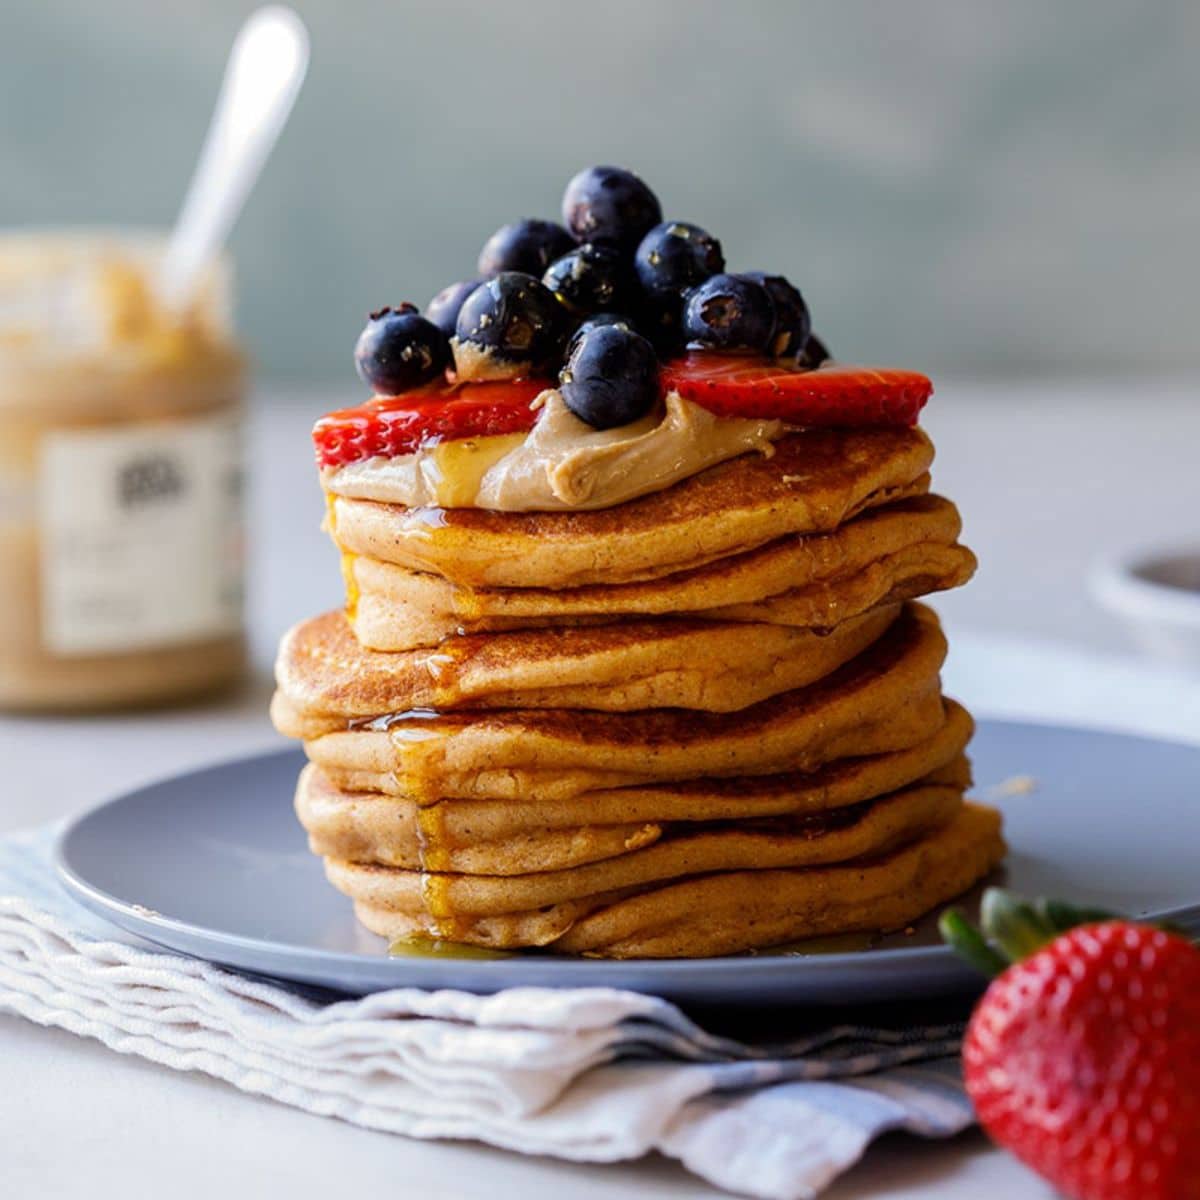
(120, 532)
(562, 463)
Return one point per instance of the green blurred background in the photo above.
(960, 185)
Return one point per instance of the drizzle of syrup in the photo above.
(418, 737)
(419, 946)
(461, 464)
(426, 521)
(349, 577)
(467, 604)
(445, 667)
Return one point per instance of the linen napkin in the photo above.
(590, 1074)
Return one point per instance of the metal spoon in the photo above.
(262, 79)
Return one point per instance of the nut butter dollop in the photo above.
(561, 464)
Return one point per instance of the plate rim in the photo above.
(143, 923)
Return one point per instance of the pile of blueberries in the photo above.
(598, 302)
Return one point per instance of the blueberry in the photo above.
(609, 203)
(814, 353)
(591, 278)
(792, 322)
(515, 317)
(598, 321)
(611, 377)
(657, 318)
(399, 349)
(527, 245)
(729, 312)
(675, 256)
(442, 310)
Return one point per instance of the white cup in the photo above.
(1157, 594)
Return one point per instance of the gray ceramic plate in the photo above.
(214, 864)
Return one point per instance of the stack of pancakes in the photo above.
(700, 722)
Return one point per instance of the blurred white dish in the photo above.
(1157, 594)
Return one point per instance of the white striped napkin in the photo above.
(591, 1074)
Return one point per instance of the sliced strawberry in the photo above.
(395, 425)
(830, 395)
(729, 387)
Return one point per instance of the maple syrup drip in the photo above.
(349, 577)
(420, 749)
(404, 726)
(461, 463)
(445, 669)
(432, 842)
(467, 605)
(426, 521)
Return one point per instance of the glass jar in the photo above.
(121, 544)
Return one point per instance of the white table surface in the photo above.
(1047, 476)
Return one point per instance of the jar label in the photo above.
(141, 535)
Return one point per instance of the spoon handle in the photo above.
(262, 78)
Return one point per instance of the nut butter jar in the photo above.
(121, 557)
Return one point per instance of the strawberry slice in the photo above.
(728, 387)
(830, 395)
(395, 425)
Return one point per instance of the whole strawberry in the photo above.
(1083, 1057)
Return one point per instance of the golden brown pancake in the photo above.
(710, 665)
(814, 482)
(721, 912)
(909, 573)
(893, 553)
(888, 698)
(396, 832)
(366, 808)
(483, 837)
(866, 830)
(748, 909)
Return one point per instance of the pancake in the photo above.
(814, 482)
(395, 832)
(887, 698)
(744, 910)
(362, 809)
(898, 552)
(866, 830)
(714, 666)
(723, 912)
(906, 575)
(461, 836)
